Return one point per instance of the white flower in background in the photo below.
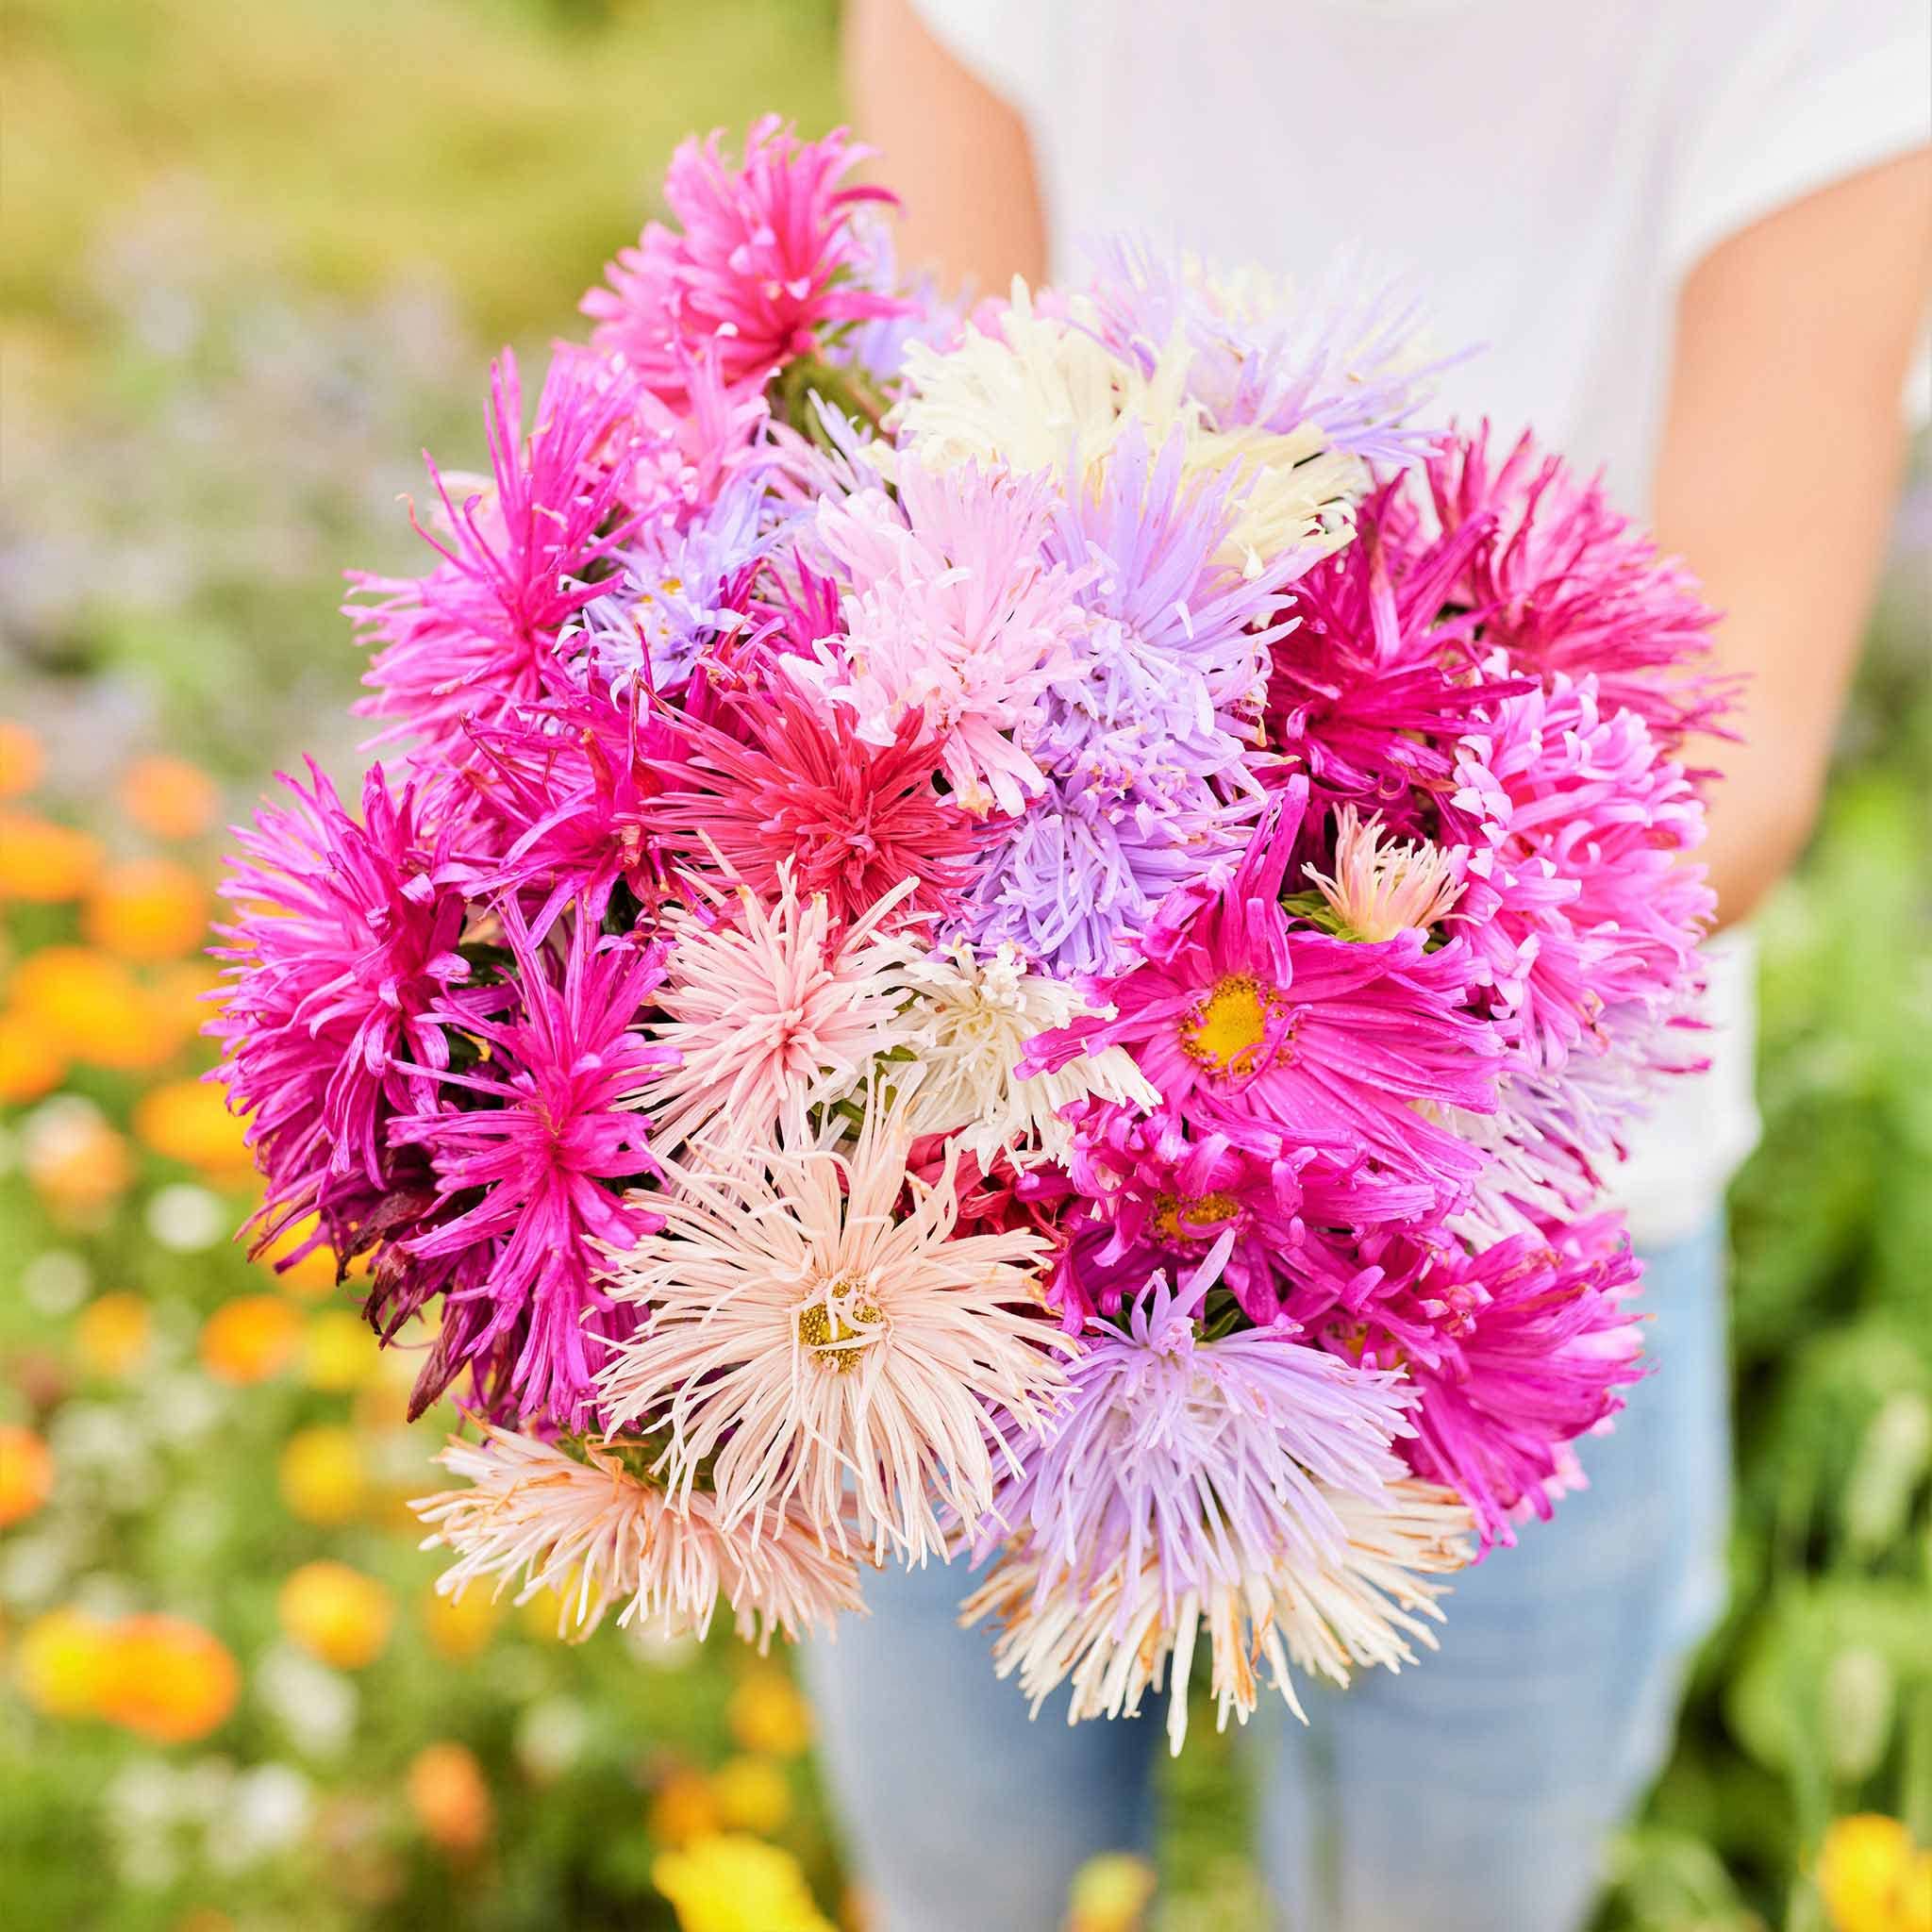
(974, 1014)
(315, 1706)
(187, 1220)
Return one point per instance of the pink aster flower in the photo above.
(815, 1329)
(1576, 898)
(952, 616)
(778, 782)
(769, 1012)
(345, 941)
(768, 266)
(477, 636)
(534, 1146)
(1566, 583)
(588, 1528)
(1239, 1018)
(1514, 1353)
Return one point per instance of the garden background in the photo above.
(254, 260)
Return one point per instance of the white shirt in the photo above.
(1546, 173)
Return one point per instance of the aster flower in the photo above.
(1514, 1353)
(590, 1528)
(478, 637)
(775, 781)
(1576, 900)
(814, 1328)
(767, 265)
(1379, 890)
(1211, 1469)
(971, 1017)
(1565, 583)
(770, 1012)
(951, 616)
(1239, 1019)
(1047, 392)
(538, 1134)
(346, 942)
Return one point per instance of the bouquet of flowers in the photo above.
(1021, 933)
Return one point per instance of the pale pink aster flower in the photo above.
(598, 1533)
(952, 614)
(974, 1014)
(774, 1010)
(817, 1333)
(1383, 886)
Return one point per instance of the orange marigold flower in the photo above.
(27, 1473)
(1873, 1877)
(22, 760)
(148, 909)
(450, 1797)
(112, 1334)
(250, 1338)
(44, 863)
(63, 1662)
(321, 1474)
(169, 797)
(188, 1121)
(335, 1613)
(169, 1681)
(31, 1063)
(93, 1007)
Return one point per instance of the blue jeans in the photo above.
(1471, 1794)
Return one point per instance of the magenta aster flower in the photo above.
(478, 637)
(1565, 583)
(535, 1148)
(775, 781)
(1514, 1352)
(767, 266)
(1241, 1019)
(346, 938)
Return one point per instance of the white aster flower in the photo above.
(597, 1535)
(1047, 394)
(974, 1015)
(1113, 1638)
(816, 1329)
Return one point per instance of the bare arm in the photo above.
(956, 152)
(1775, 479)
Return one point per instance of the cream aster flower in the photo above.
(598, 1535)
(1113, 1638)
(974, 1014)
(1381, 885)
(1047, 394)
(810, 1333)
(772, 1012)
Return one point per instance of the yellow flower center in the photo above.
(1179, 1218)
(837, 1324)
(1228, 1031)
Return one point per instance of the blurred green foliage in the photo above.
(254, 260)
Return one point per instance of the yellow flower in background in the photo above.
(321, 1474)
(31, 1062)
(44, 863)
(1109, 1894)
(767, 1714)
(339, 1352)
(112, 1334)
(683, 1807)
(168, 797)
(148, 909)
(753, 1794)
(1873, 1878)
(250, 1338)
(22, 760)
(188, 1121)
(450, 1797)
(459, 1627)
(168, 1680)
(27, 1473)
(63, 1663)
(95, 1009)
(335, 1614)
(313, 1277)
(73, 1159)
(730, 1883)
(178, 994)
